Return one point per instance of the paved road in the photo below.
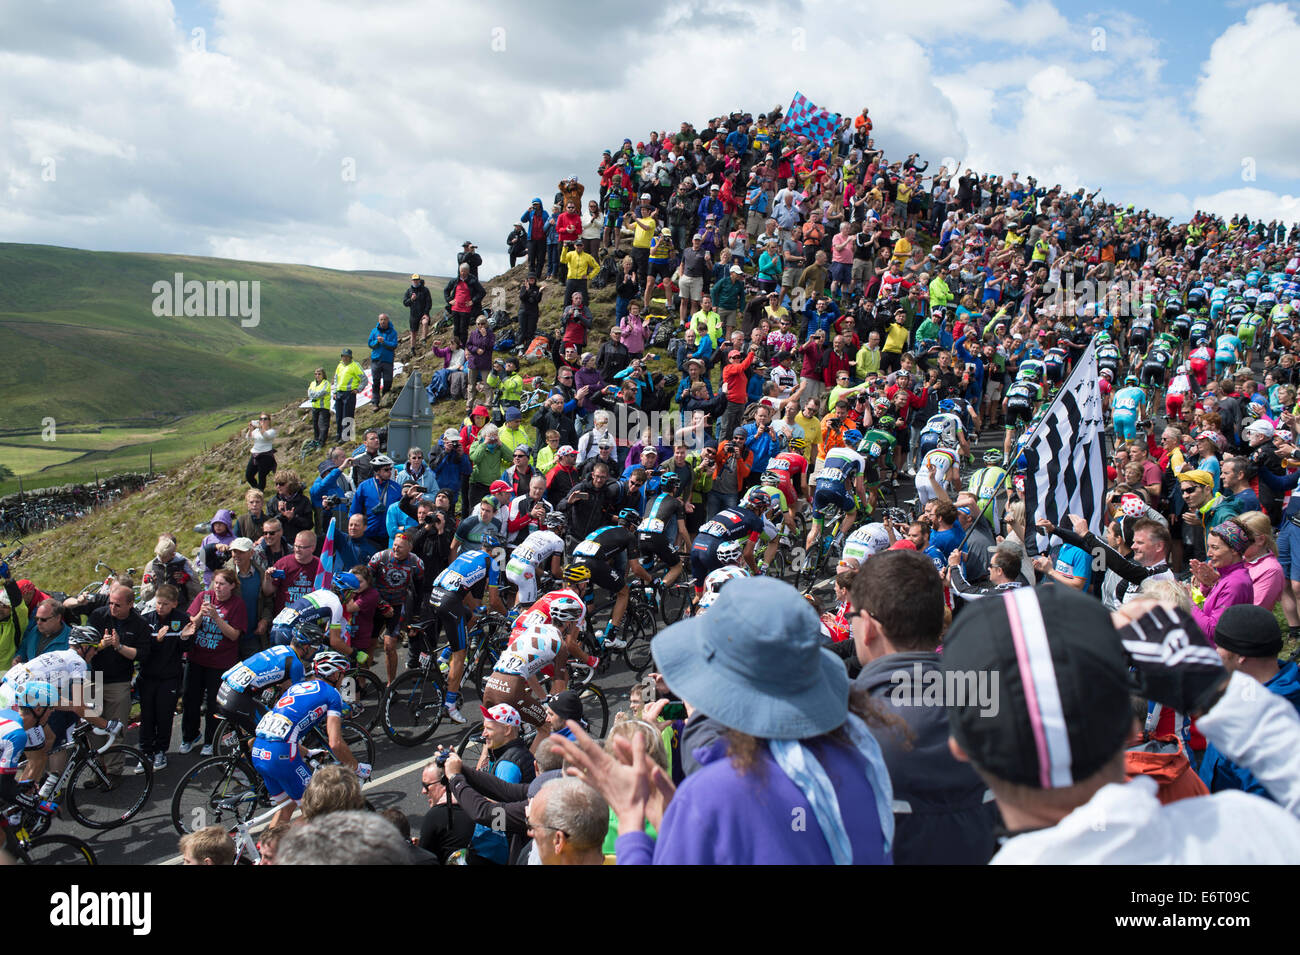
(150, 838)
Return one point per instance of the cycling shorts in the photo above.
(836, 496)
(281, 765)
(1153, 373)
(513, 689)
(1139, 337)
(1125, 427)
(1054, 372)
(704, 557)
(1182, 329)
(928, 441)
(602, 575)
(1019, 410)
(1174, 405)
(524, 577)
(237, 706)
(661, 546)
(450, 613)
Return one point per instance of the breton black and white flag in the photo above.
(1065, 457)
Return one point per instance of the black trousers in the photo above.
(460, 322)
(381, 373)
(536, 256)
(259, 467)
(345, 412)
(320, 425)
(201, 687)
(157, 710)
(527, 329)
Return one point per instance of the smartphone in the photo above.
(673, 711)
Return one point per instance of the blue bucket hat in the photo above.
(755, 663)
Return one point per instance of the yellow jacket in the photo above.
(580, 264)
(318, 393)
(349, 377)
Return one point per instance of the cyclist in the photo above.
(1180, 322)
(1129, 406)
(542, 548)
(1156, 362)
(456, 594)
(563, 609)
(1107, 354)
(663, 529)
(1139, 333)
(397, 574)
(839, 484)
(1054, 365)
(1246, 329)
(276, 754)
(318, 605)
(988, 485)
(277, 667)
(733, 525)
(945, 428)
(600, 552)
(792, 468)
(514, 678)
(1227, 352)
(22, 729)
(1198, 362)
(943, 465)
(1022, 397)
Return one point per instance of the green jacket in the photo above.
(489, 462)
(703, 481)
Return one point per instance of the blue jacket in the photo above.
(977, 379)
(397, 520)
(330, 485)
(819, 322)
(383, 344)
(348, 553)
(763, 446)
(31, 642)
(373, 501)
(1220, 773)
(721, 816)
(709, 207)
(451, 469)
(527, 217)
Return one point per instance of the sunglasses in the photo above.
(43, 619)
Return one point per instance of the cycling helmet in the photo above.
(84, 637)
(730, 551)
(852, 437)
(887, 422)
(576, 573)
(948, 405)
(346, 583)
(540, 640)
(629, 515)
(36, 694)
(718, 578)
(489, 540)
(381, 461)
(759, 500)
(1036, 353)
(1103, 338)
(556, 521)
(1108, 374)
(311, 625)
(1202, 342)
(798, 445)
(568, 609)
(1131, 380)
(993, 457)
(770, 479)
(329, 662)
(670, 481)
(1032, 371)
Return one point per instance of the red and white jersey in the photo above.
(789, 465)
(540, 612)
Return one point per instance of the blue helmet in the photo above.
(490, 540)
(947, 405)
(346, 582)
(1035, 352)
(852, 437)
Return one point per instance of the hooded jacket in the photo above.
(943, 812)
(208, 556)
(1162, 759)
(1219, 773)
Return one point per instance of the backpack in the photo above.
(539, 347)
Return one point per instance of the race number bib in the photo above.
(714, 529)
(285, 616)
(651, 526)
(241, 678)
(831, 474)
(587, 549)
(274, 726)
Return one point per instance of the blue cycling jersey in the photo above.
(1127, 401)
(264, 668)
(1226, 347)
(467, 570)
(13, 740)
(302, 707)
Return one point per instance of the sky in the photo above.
(382, 135)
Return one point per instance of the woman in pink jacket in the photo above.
(1266, 574)
(634, 330)
(1225, 576)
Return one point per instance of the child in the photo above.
(548, 455)
(359, 629)
(210, 845)
(160, 675)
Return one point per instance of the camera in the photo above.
(330, 501)
(440, 759)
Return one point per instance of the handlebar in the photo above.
(112, 738)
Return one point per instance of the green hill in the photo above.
(86, 347)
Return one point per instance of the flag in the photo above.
(325, 579)
(1065, 468)
(805, 118)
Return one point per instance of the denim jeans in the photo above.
(719, 501)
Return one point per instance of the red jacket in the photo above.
(914, 402)
(735, 380)
(834, 365)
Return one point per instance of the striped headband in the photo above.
(1042, 694)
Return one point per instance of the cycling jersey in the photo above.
(1054, 361)
(938, 462)
(606, 542)
(518, 661)
(835, 482)
(535, 552)
(1226, 349)
(263, 669)
(62, 668)
(13, 740)
(946, 425)
(282, 625)
(789, 466)
(732, 523)
(471, 572)
(662, 515)
(866, 541)
(540, 612)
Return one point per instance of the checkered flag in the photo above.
(805, 118)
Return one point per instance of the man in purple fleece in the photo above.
(799, 780)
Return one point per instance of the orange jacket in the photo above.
(1162, 758)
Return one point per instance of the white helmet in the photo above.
(540, 640)
(568, 609)
(713, 583)
(730, 551)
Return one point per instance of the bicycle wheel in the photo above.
(357, 738)
(363, 693)
(640, 627)
(56, 850)
(219, 790)
(471, 747)
(99, 800)
(226, 742)
(777, 568)
(595, 710)
(676, 601)
(413, 707)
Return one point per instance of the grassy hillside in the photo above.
(101, 361)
